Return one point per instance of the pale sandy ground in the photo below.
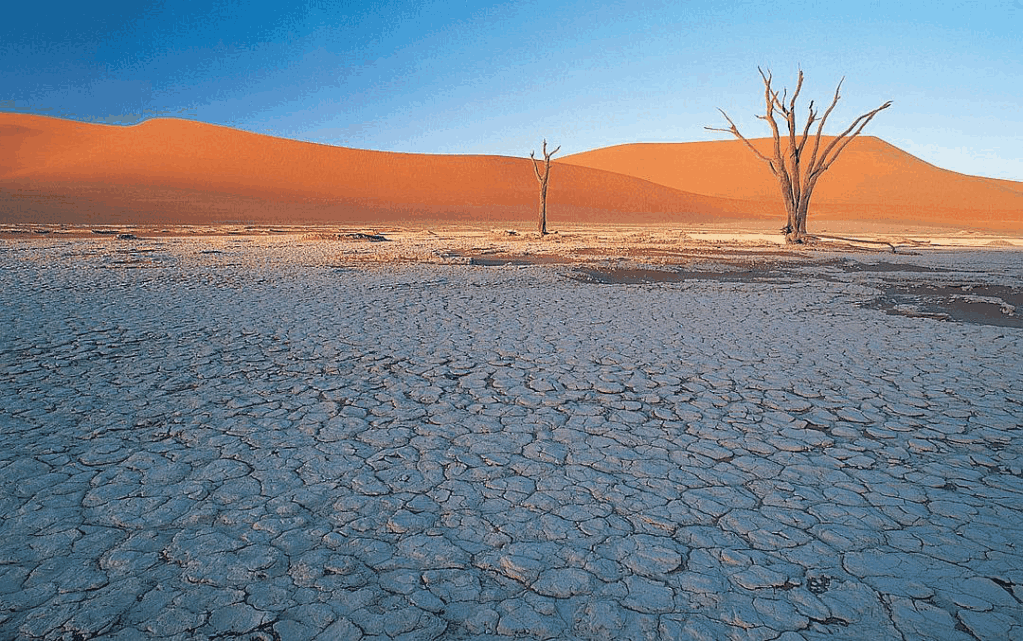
(566, 243)
(271, 437)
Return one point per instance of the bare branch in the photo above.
(771, 96)
(536, 167)
(770, 100)
(735, 131)
(790, 117)
(820, 126)
(865, 118)
(795, 94)
(778, 164)
(810, 119)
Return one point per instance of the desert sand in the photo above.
(287, 435)
(168, 171)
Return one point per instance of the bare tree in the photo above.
(543, 178)
(798, 175)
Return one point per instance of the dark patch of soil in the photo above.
(638, 276)
(852, 266)
(995, 305)
(372, 238)
(499, 260)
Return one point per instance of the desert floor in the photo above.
(298, 434)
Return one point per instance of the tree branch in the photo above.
(772, 96)
(865, 118)
(810, 119)
(536, 168)
(790, 119)
(547, 162)
(778, 166)
(820, 127)
(795, 94)
(735, 131)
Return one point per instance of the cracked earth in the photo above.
(251, 440)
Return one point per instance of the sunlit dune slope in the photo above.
(871, 180)
(167, 171)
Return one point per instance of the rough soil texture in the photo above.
(286, 436)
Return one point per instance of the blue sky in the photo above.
(496, 77)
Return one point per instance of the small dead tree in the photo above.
(543, 179)
(798, 175)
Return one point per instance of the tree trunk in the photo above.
(795, 227)
(795, 231)
(543, 209)
(544, 180)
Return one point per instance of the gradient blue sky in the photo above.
(496, 77)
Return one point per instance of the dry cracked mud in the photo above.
(252, 440)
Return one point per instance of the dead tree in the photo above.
(798, 175)
(543, 179)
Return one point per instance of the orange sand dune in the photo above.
(871, 181)
(168, 171)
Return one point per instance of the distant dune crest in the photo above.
(167, 171)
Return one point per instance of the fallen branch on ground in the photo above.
(856, 240)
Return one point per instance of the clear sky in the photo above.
(495, 77)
